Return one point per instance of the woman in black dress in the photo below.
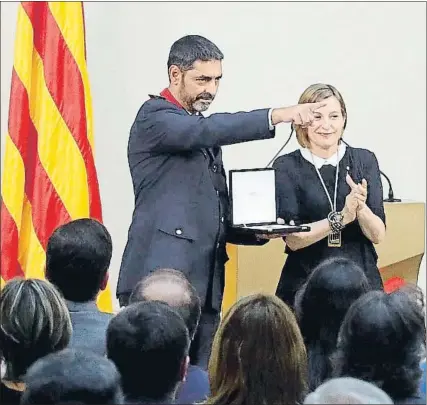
(333, 188)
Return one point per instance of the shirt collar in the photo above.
(319, 162)
(89, 306)
(166, 94)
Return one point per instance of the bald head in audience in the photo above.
(173, 288)
(347, 391)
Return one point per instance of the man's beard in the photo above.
(200, 103)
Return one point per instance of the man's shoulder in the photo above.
(88, 310)
(106, 315)
(156, 103)
(102, 316)
(90, 321)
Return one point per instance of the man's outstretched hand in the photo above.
(300, 114)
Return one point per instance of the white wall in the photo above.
(374, 53)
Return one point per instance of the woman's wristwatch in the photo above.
(336, 221)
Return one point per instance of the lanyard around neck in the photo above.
(334, 204)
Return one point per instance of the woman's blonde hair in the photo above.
(258, 355)
(34, 322)
(313, 94)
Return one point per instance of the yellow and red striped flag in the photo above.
(49, 175)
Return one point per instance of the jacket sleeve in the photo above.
(160, 127)
(375, 188)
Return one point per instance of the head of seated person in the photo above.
(79, 250)
(347, 390)
(172, 287)
(320, 307)
(258, 355)
(34, 322)
(72, 376)
(382, 340)
(149, 343)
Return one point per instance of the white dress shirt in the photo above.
(319, 162)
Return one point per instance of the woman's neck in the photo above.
(323, 153)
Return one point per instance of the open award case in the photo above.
(253, 203)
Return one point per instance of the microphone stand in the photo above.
(390, 191)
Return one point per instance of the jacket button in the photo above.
(178, 231)
(222, 219)
(215, 168)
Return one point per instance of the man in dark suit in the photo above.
(173, 288)
(77, 259)
(181, 199)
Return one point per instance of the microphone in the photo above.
(390, 187)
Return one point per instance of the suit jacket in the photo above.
(181, 210)
(423, 380)
(195, 389)
(89, 327)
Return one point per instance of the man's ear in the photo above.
(175, 75)
(184, 368)
(104, 282)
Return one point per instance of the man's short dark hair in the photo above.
(187, 50)
(77, 258)
(72, 376)
(187, 304)
(148, 342)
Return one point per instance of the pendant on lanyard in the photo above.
(334, 217)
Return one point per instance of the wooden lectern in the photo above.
(254, 269)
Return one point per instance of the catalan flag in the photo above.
(49, 175)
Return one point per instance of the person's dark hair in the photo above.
(34, 322)
(172, 287)
(320, 307)
(382, 340)
(72, 376)
(258, 355)
(187, 50)
(79, 251)
(148, 342)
